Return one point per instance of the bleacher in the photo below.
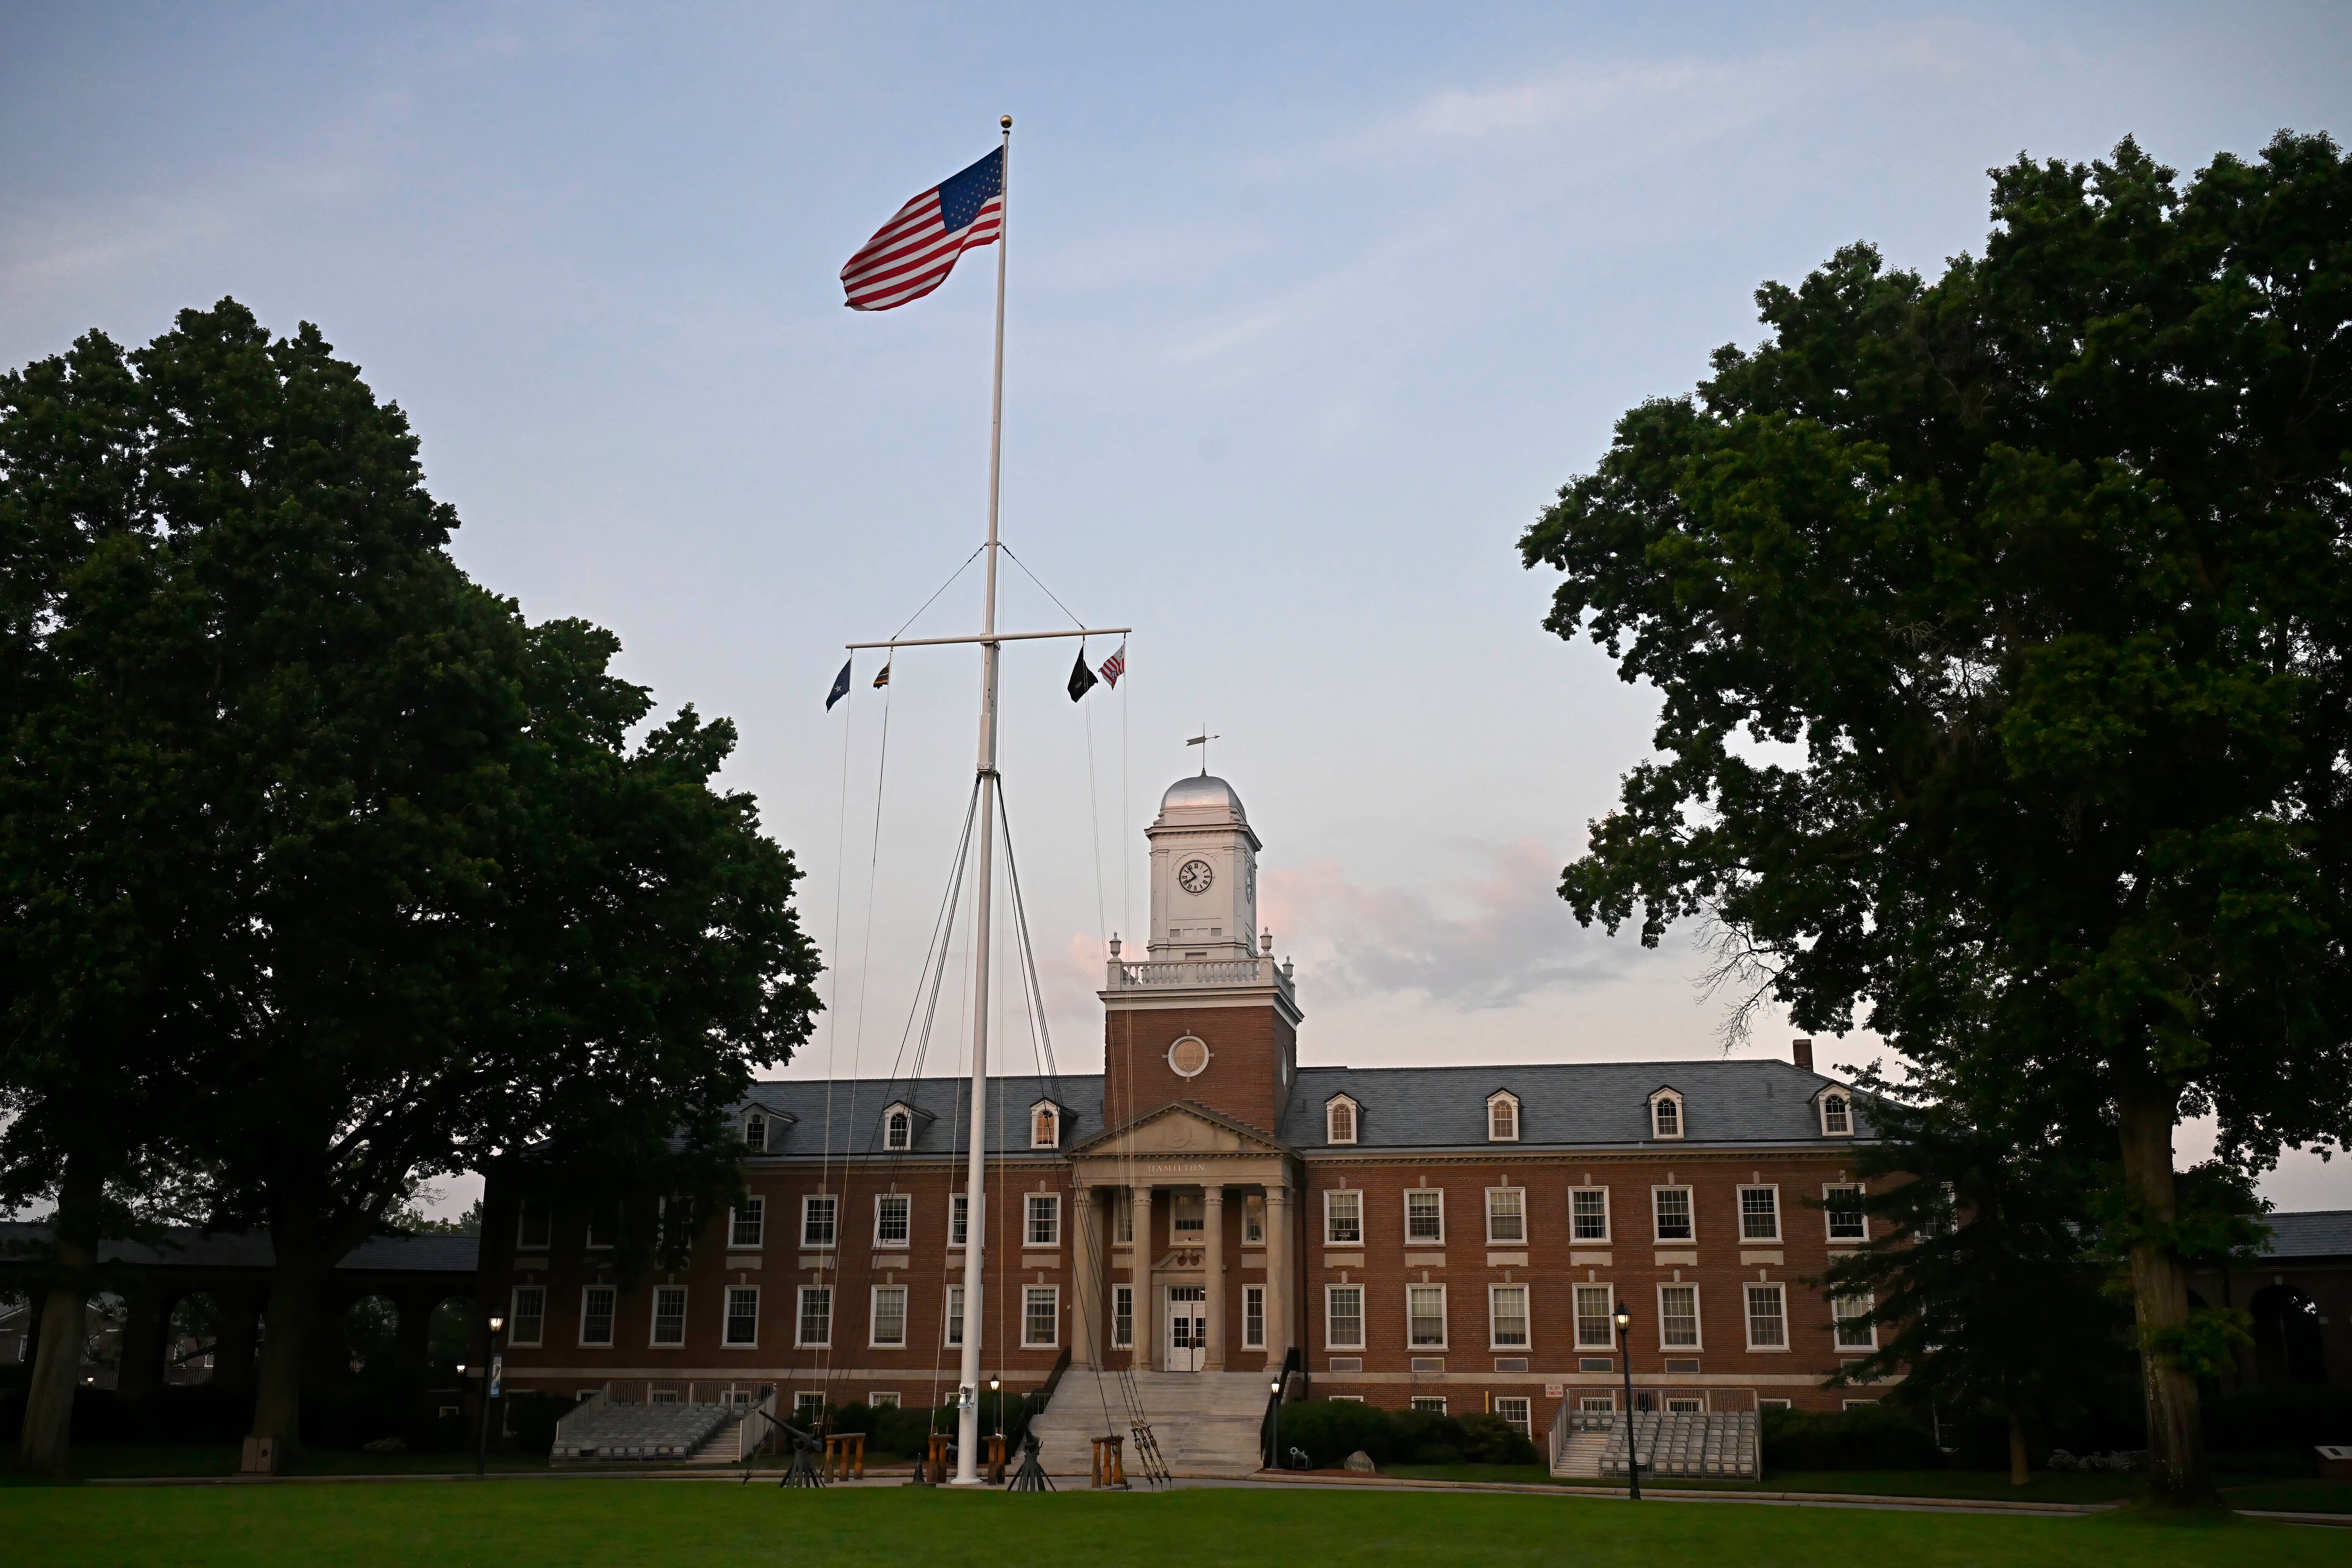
(1685, 1445)
(608, 1431)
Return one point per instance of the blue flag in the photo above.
(840, 684)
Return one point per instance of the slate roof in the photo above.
(2314, 1233)
(1565, 1104)
(858, 1105)
(432, 1254)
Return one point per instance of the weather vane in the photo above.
(1202, 741)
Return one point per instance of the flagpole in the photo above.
(975, 1156)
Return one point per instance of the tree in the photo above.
(451, 908)
(2000, 629)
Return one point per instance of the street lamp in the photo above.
(1625, 1349)
(489, 1392)
(1275, 1459)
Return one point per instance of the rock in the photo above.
(386, 1446)
(1362, 1464)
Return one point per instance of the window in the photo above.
(755, 1132)
(898, 1129)
(1596, 1324)
(1594, 1404)
(750, 1221)
(889, 1317)
(669, 1315)
(1588, 1214)
(1518, 1415)
(815, 1315)
(596, 1315)
(1678, 1316)
(1684, 1404)
(532, 1225)
(1122, 1209)
(1253, 1317)
(1673, 1213)
(1503, 1118)
(817, 1217)
(1767, 1318)
(1772, 1405)
(1666, 1114)
(1507, 1215)
(1425, 1215)
(673, 1222)
(892, 1214)
(1045, 1127)
(955, 1315)
(1187, 1217)
(665, 1396)
(1847, 1221)
(1760, 1214)
(1430, 1403)
(1425, 1311)
(1855, 1331)
(530, 1318)
(742, 1315)
(1343, 1219)
(1343, 1317)
(1254, 1221)
(598, 1233)
(1122, 1315)
(1041, 1315)
(808, 1408)
(1507, 1312)
(1837, 1116)
(1339, 1120)
(1044, 1220)
(882, 1399)
(959, 1218)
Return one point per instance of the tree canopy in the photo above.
(2001, 627)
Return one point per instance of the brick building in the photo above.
(1456, 1235)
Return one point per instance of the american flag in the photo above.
(914, 252)
(1114, 667)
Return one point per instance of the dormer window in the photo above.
(1339, 1120)
(1503, 1118)
(1044, 1125)
(755, 1132)
(898, 1128)
(1837, 1114)
(1666, 1114)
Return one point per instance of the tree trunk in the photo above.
(2019, 1472)
(45, 1438)
(2175, 1436)
(277, 1394)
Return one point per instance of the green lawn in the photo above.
(2240, 1490)
(90, 1461)
(601, 1523)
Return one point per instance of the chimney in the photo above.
(1803, 1051)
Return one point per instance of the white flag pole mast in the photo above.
(975, 1159)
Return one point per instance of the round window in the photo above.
(1189, 1056)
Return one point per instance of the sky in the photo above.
(1311, 310)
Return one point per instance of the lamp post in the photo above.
(1625, 1351)
(489, 1392)
(1275, 1459)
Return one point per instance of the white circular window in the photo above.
(1189, 1057)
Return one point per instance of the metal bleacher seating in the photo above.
(1688, 1445)
(606, 1431)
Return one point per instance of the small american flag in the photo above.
(914, 252)
(1114, 667)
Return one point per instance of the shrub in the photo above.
(1866, 1437)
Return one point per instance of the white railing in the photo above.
(1197, 974)
(1561, 1426)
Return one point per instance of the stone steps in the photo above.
(1205, 1423)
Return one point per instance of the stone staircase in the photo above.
(1206, 1423)
(1582, 1457)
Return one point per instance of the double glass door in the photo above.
(1188, 1328)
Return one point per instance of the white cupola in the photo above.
(1204, 874)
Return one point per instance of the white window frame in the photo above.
(1253, 1317)
(1029, 1295)
(653, 1321)
(1594, 1404)
(1830, 1212)
(1122, 1223)
(1776, 1404)
(595, 1237)
(1122, 1323)
(1845, 1113)
(757, 1117)
(1747, 1289)
(1608, 1341)
(1698, 1344)
(1845, 1310)
(1330, 1234)
(804, 1401)
(951, 1319)
(1048, 1205)
(810, 1203)
(882, 1399)
(1526, 1341)
(515, 1317)
(1519, 1240)
(1444, 1320)
(1518, 1412)
(1428, 1403)
(1046, 1112)
(1578, 1240)
(800, 1316)
(905, 1203)
(1331, 1121)
(727, 1298)
(1188, 1216)
(612, 1315)
(1773, 1190)
(959, 1223)
(1682, 1115)
(1331, 1296)
(756, 1212)
(1690, 1210)
(895, 1119)
(1253, 1220)
(1495, 1101)
(874, 1339)
(1412, 1240)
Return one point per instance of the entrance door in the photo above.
(1188, 1327)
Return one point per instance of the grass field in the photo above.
(616, 1522)
(2239, 1490)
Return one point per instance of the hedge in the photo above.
(1329, 1430)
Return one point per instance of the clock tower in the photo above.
(1204, 874)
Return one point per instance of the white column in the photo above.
(1279, 1292)
(1147, 1306)
(1212, 1268)
(1087, 1258)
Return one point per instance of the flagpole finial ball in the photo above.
(1006, 122)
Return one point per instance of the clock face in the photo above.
(1194, 875)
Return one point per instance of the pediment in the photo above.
(1180, 1127)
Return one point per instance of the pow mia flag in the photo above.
(1082, 679)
